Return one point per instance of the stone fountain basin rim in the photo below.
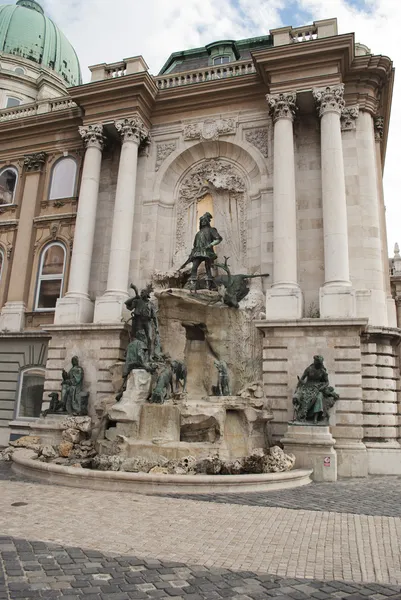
(24, 464)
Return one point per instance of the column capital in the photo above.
(132, 130)
(329, 99)
(282, 106)
(34, 162)
(379, 128)
(92, 136)
(349, 116)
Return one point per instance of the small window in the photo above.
(51, 277)
(30, 393)
(11, 102)
(8, 183)
(19, 71)
(221, 60)
(63, 179)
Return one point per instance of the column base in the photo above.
(337, 301)
(110, 308)
(284, 302)
(352, 459)
(73, 310)
(372, 304)
(384, 458)
(13, 316)
(391, 312)
(313, 447)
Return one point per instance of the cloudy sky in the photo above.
(109, 30)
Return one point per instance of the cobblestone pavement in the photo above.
(39, 570)
(376, 496)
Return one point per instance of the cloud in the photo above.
(110, 30)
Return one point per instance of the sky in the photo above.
(110, 30)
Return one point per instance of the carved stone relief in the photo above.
(379, 128)
(34, 162)
(349, 116)
(329, 99)
(210, 129)
(163, 151)
(259, 138)
(227, 188)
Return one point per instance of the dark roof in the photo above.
(199, 58)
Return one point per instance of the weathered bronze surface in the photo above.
(314, 396)
(73, 398)
(223, 381)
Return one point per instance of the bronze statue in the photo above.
(236, 286)
(136, 357)
(314, 396)
(223, 383)
(180, 372)
(56, 406)
(73, 397)
(144, 318)
(203, 251)
(164, 386)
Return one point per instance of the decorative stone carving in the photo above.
(210, 129)
(163, 151)
(92, 136)
(379, 128)
(329, 99)
(132, 130)
(213, 173)
(348, 118)
(34, 162)
(259, 138)
(282, 106)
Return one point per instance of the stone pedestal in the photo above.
(49, 429)
(313, 447)
(127, 410)
(13, 316)
(160, 422)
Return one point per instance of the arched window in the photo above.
(1, 263)
(30, 393)
(63, 179)
(19, 71)
(11, 102)
(8, 183)
(51, 276)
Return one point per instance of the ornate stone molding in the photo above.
(329, 99)
(282, 106)
(348, 118)
(163, 151)
(213, 174)
(34, 162)
(132, 130)
(259, 138)
(210, 129)
(379, 128)
(92, 136)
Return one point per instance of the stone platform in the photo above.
(313, 448)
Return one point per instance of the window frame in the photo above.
(18, 69)
(11, 168)
(22, 374)
(215, 64)
(13, 98)
(41, 277)
(54, 166)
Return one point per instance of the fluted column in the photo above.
(284, 300)
(109, 306)
(337, 298)
(76, 306)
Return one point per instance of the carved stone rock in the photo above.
(139, 384)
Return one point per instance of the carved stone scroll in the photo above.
(329, 99)
(92, 135)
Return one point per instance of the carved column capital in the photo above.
(282, 106)
(379, 128)
(329, 99)
(93, 136)
(34, 162)
(132, 130)
(348, 118)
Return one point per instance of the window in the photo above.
(8, 183)
(11, 102)
(1, 263)
(51, 277)
(30, 393)
(19, 71)
(221, 60)
(63, 179)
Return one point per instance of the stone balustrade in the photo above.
(207, 74)
(36, 108)
(304, 34)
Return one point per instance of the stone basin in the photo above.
(149, 483)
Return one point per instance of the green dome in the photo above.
(25, 31)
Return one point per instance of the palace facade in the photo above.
(282, 138)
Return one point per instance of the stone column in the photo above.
(13, 312)
(337, 298)
(284, 299)
(109, 307)
(76, 307)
